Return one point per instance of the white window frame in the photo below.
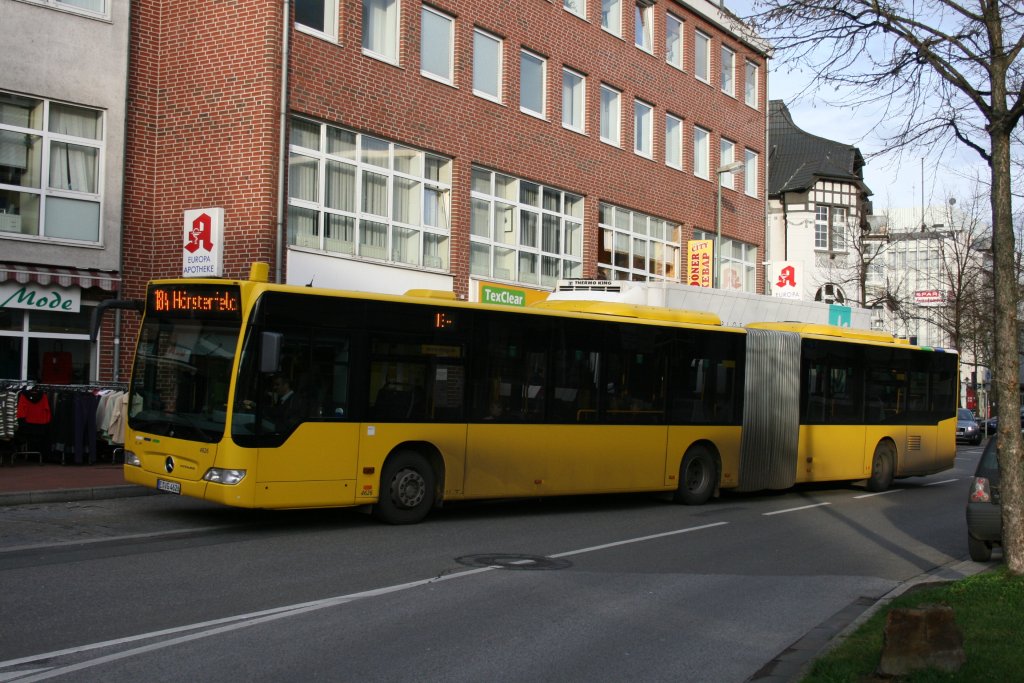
(830, 228)
(484, 35)
(727, 71)
(44, 192)
(736, 255)
(428, 210)
(636, 246)
(750, 175)
(726, 155)
(555, 245)
(643, 129)
(674, 30)
(330, 20)
(643, 28)
(24, 336)
(76, 9)
(577, 7)
(702, 56)
(432, 46)
(577, 101)
(673, 142)
(393, 19)
(612, 118)
(750, 84)
(701, 152)
(528, 55)
(611, 17)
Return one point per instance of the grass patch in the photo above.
(988, 609)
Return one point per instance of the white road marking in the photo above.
(227, 624)
(944, 481)
(879, 493)
(804, 507)
(125, 537)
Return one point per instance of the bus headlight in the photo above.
(217, 475)
(132, 459)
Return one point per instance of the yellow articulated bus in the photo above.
(272, 396)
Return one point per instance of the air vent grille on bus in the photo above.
(914, 442)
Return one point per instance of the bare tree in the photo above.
(945, 74)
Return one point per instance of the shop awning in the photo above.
(64, 277)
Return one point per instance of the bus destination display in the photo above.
(198, 301)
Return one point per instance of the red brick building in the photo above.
(444, 145)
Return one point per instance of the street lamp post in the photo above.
(724, 168)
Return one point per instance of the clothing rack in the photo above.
(71, 429)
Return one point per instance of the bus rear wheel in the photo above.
(698, 475)
(407, 489)
(882, 468)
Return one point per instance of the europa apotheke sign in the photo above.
(201, 254)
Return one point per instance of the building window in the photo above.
(573, 99)
(51, 161)
(728, 67)
(830, 228)
(674, 41)
(750, 84)
(96, 8)
(701, 153)
(359, 195)
(673, 141)
(738, 263)
(436, 45)
(643, 17)
(522, 231)
(643, 128)
(380, 29)
(611, 115)
(611, 16)
(31, 340)
(577, 7)
(727, 154)
(486, 65)
(531, 83)
(318, 16)
(635, 246)
(750, 173)
(702, 56)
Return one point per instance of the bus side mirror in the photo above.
(270, 351)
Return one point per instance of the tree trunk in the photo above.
(1007, 382)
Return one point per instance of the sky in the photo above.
(896, 179)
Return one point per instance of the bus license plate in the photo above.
(168, 486)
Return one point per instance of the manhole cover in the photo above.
(509, 561)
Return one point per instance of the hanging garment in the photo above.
(34, 407)
(85, 427)
(57, 367)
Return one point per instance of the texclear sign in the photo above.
(35, 297)
(502, 296)
(204, 243)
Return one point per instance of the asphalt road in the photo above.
(607, 588)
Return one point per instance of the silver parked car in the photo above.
(967, 427)
(984, 514)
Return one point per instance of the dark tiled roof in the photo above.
(797, 159)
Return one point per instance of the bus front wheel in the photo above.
(698, 475)
(407, 489)
(882, 468)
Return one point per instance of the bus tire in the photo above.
(882, 468)
(698, 477)
(407, 486)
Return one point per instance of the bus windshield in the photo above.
(182, 372)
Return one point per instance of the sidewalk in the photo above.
(30, 482)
